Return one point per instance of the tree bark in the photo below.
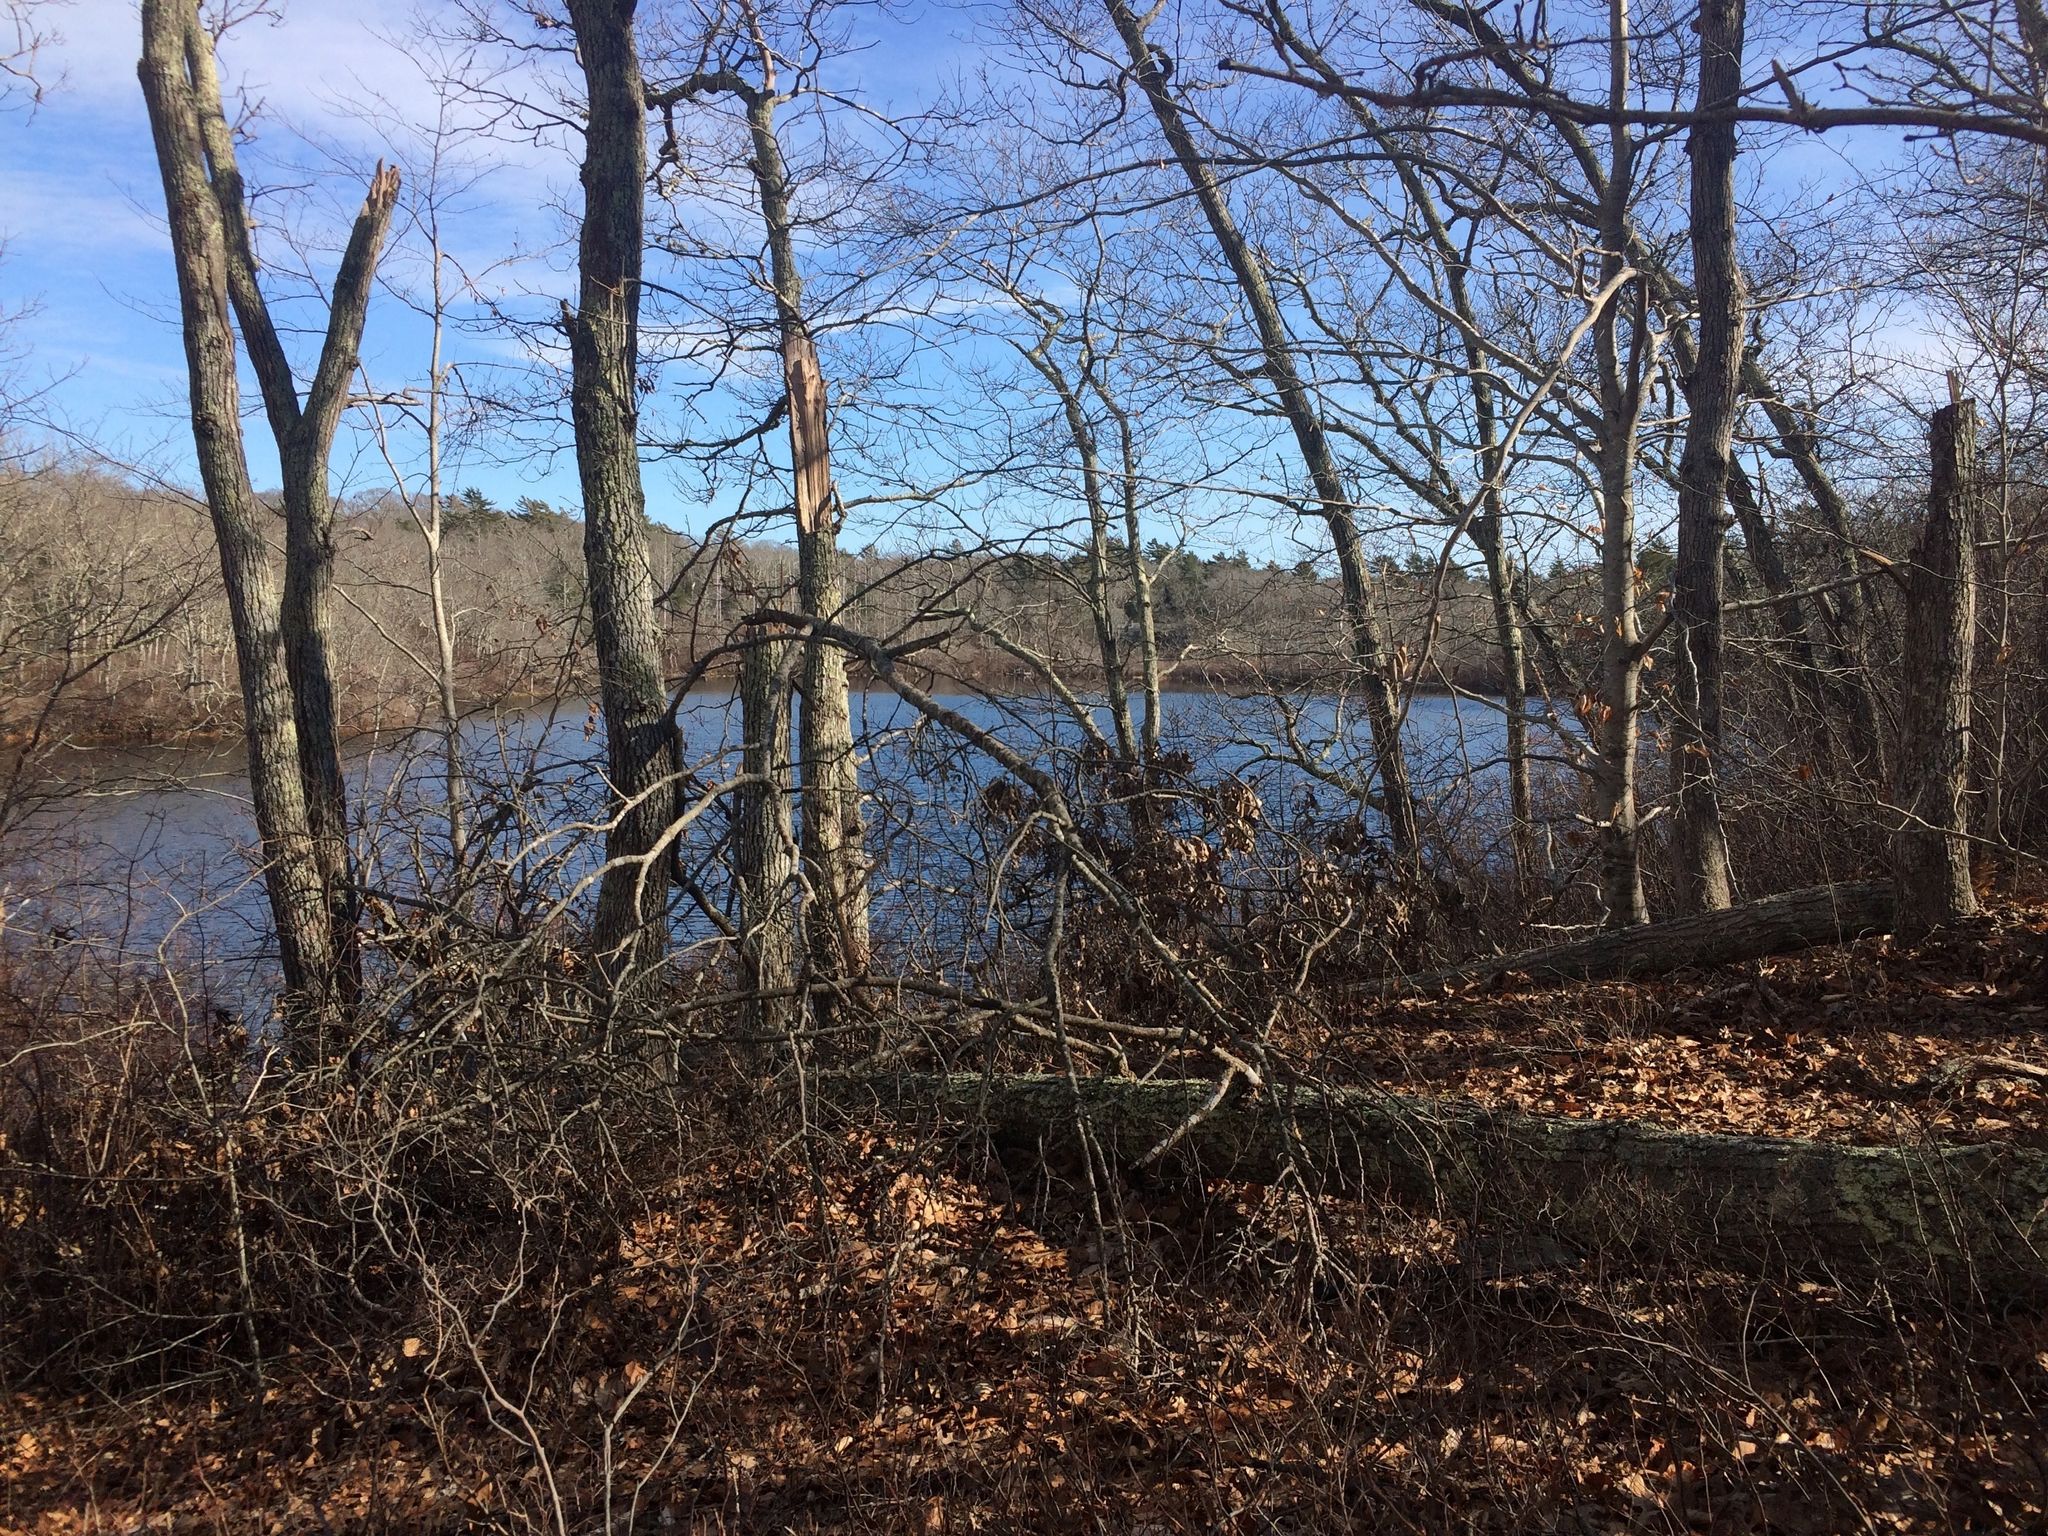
(764, 850)
(1928, 1210)
(304, 434)
(1140, 573)
(1489, 534)
(1930, 850)
(834, 836)
(640, 746)
(1370, 671)
(199, 244)
(1822, 914)
(1713, 391)
(1615, 713)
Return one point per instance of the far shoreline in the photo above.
(410, 712)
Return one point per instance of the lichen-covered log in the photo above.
(1976, 1213)
(1821, 914)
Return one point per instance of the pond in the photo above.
(153, 856)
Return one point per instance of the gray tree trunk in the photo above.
(1371, 676)
(1931, 851)
(1977, 1214)
(304, 434)
(640, 746)
(1713, 391)
(172, 37)
(1823, 914)
(764, 850)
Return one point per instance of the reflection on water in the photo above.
(154, 858)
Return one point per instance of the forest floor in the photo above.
(890, 1330)
(1843, 1044)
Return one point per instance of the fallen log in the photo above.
(1967, 1071)
(1978, 1214)
(1776, 925)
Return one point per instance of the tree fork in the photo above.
(199, 246)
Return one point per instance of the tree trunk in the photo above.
(1705, 881)
(764, 851)
(1822, 914)
(1621, 383)
(1615, 713)
(307, 618)
(171, 38)
(304, 434)
(1141, 585)
(1760, 544)
(1370, 672)
(1101, 609)
(640, 745)
(834, 837)
(1931, 851)
(1931, 1211)
(434, 531)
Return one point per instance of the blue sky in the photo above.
(81, 216)
(334, 85)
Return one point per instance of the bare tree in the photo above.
(1372, 676)
(172, 40)
(1931, 851)
(444, 179)
(748, 70)
(1435, 262)
(640, 739)
(304, 432)
(1713, 390)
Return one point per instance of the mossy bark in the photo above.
(1922, 1210)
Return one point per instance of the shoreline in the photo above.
(409, 712)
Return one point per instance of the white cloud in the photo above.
(55, 213)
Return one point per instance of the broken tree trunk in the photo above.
(1930, 849)
(1821, 914)
(1979, 1212)
(172, 34)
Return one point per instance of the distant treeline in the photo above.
(114, 626)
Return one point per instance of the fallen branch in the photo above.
(1967, 1071)
(1822, 914)
(1974, 1212)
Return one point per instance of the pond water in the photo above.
(154, 856)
